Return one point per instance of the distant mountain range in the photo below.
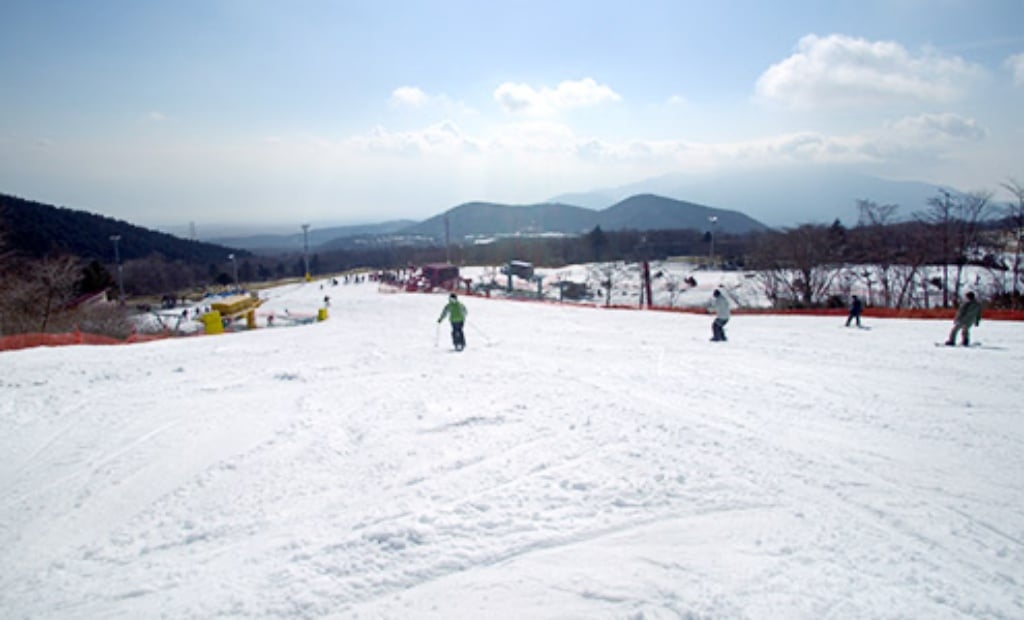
(741, 200)
(37, 229)
(316, 236)
(779, 198)
(476, 220)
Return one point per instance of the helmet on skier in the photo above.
(717, 293)
(453, 296)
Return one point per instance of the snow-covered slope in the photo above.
(571, 463)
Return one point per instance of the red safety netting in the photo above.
(26, 341)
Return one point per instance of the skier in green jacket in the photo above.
(967, 315)
(456, 313)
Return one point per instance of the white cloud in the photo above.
(842, 70)
(411, 97)
(525, 99)
(1016, 65)
(533, 138)
(935, 127)
(443, 138)
(676, 100)
(926, 137)
(639, 151)
(408, 96)
(156, 117)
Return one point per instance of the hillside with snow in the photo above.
(572, 462)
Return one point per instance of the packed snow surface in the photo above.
(570, 463)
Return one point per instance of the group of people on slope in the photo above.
(456, 312)
(967, 316)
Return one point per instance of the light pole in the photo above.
(234, 269)
(120, 269)
(305, 248)
(711, 251)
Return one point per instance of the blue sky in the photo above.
(330, 112)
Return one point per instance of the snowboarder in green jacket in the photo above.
(456, 313)
(967, 315)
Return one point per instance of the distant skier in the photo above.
(456, 313)
(720, 306)
(856, 307)
(967, 315)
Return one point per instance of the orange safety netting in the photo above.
(26, 341)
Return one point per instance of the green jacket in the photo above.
(455, 311)
(969, 313)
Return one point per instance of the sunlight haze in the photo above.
(343, 112)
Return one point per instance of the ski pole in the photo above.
(437, 335)
(481, 332)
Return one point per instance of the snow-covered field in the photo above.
(571, 463)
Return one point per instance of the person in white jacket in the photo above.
(720, 306)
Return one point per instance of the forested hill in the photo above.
(485, 218)
(642, 212)
(35, 230)
(650, 212)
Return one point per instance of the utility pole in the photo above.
(305, 248)
(120, 269)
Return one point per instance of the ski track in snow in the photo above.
(571, 463)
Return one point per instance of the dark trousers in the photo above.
(718, 329)
(966, 337)
(458, 338)
(853, 315)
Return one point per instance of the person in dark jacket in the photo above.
(967, 315)
(456, 313)
(856, 307)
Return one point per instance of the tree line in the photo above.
(918, 262)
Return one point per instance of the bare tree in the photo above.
(600, 276)
(877, 248)
(673, 285)
(16, 305)
(799, 264)
(1014, 212)
(56, 278)
(914, 243)
(107, 319)
(971, 211)
(940, 215)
